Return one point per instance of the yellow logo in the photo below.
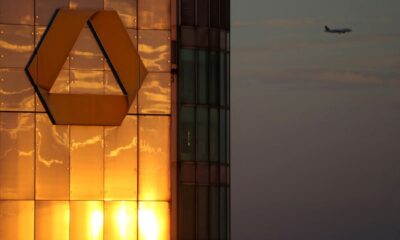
(122, 56)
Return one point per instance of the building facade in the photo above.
(161, 173)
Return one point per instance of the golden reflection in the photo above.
(52, 159)
(87, 81)
(14, 216)
(154, 14)
(154, 49)
(86, 220)
(120, 180)
(16, 45)
(155, 94)
(154, 159)
(86, 163)
(86, 53)
(153, 221)
(121, 220)
(52, 220)
(126, 10)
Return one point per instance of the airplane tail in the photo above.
(327, 29)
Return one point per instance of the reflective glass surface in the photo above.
(17, 155)
(202, 212)
(155, 94)
(45, 9)
(86, 220)
(187, 84)
(155, 50)
(202, 134)
(120, 220)
(154, 149)
(52, 220)
(120, 161)
(19, 12)
(87, 166)
(16, 45)
(17, 220)
(187, 212)
(126, 10)
(154, 14)
(187, 134)
(153, 220)
(52, 160)
(16, 92)
(86, 53)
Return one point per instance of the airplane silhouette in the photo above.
(338, 31)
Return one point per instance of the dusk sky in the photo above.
(315, 120)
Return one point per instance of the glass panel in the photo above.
(155, 94)
(86, 163)
(202, 134)
(202, 37)
(202, 77)
(214, 39)
(223, 40)
(87, 81)
(187, 212)
(154, 220)
(16, 92)
(111, 86)
(154, 14)
(155, 50)
(16, 44)
(187, 137)
(86, 4)
(202, 13)
(52, 159)
(214, 135)
(19, 12)
(120, 179)
(188, 37)
(16, 156)
(127, 11)
(51, 220)
(223, 214)
(224, 9)
(214, 78)
(61, 85)
(86, 220)
(187, 12)
(187, 172)
(202, 174)
(45, 9)
(120, 220)
(214, 213)
(222, 79)
(154, 148)
(202, 212)
(228, 138)
(86, 53)
(214, 13)
(17, 220)
(187, 76)
(222, 136)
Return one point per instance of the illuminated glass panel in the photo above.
(154, 14)
(45, 9)
(202, 134)
(16, 44)
(86, 53)
(187, 212)
(16, 155)
(51, 220)
(87, 81)
(120, 220)
(187, 133)
(86, 220)
(154, 162)
(154, 220)
(155, 94)
(17, 220)
(120, 161)
(111, 86)
(155, 49)
(86, 4)
(86, 163)
(52, 160)
(16, 12)
(16, 92)
(61, 85)
(187, 83)
(126, 10)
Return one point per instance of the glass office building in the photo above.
(163, 172)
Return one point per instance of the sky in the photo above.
(315, 120)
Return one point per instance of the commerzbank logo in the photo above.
(53, 50)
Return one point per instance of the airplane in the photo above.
(339, 31)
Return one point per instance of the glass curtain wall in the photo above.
(84, 182)
(204, 83)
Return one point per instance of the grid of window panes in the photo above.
(204, 142)
(84, 182)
